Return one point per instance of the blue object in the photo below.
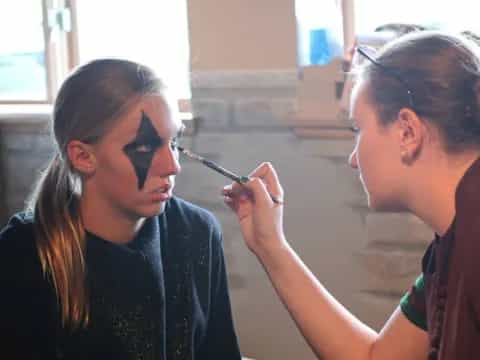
(320, 52)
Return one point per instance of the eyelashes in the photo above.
(150, 148)
(143, 148)
(354, 129)
(175, 143)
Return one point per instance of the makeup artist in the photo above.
(107, 263)
(416, 112)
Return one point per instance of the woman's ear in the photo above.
(81, 157)
(411, 134)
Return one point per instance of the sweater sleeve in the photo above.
(221, 341)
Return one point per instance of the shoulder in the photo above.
(17, 235)
(191, 214)
(198, 225)
(21, 277)
(18, 250)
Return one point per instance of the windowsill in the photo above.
(39, 115)
(43, 112)
(26, 113)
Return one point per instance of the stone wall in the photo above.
(25, 149)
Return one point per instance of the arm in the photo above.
(324, 322)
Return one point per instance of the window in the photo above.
(51, 37)
(153, 32)
(457, 15)
(319, 31)
(23, 74)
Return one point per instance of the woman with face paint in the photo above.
(107, 263)
(416, 112)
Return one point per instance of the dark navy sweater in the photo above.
(162, 296)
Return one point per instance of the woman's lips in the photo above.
(162, 193)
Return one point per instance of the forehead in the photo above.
(358, 99)
(162, 113)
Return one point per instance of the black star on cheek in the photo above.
(141, 150)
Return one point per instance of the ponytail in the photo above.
(60, 240)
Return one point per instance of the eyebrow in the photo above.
(351, 120)
(178, 134)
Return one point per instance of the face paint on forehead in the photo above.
(142, 149)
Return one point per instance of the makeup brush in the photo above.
(221, 170)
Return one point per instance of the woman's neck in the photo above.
(433, 199)
(111, 225)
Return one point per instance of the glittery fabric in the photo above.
(162, 296)
(126, 301)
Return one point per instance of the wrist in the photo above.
(272, 254)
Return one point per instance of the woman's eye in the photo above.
(144, 148)
(174, 143)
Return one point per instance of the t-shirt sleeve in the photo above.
(413, 304)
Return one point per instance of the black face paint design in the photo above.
(141, 150)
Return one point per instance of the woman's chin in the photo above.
(382, 205)
(152, 210)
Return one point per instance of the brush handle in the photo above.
(244, 179)
(232, 176)
(223, 171)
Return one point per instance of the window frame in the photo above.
(60, 56)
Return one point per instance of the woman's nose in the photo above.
(167, 162)
(173, 161)
(352, 159)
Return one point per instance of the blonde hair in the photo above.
(89, 100)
